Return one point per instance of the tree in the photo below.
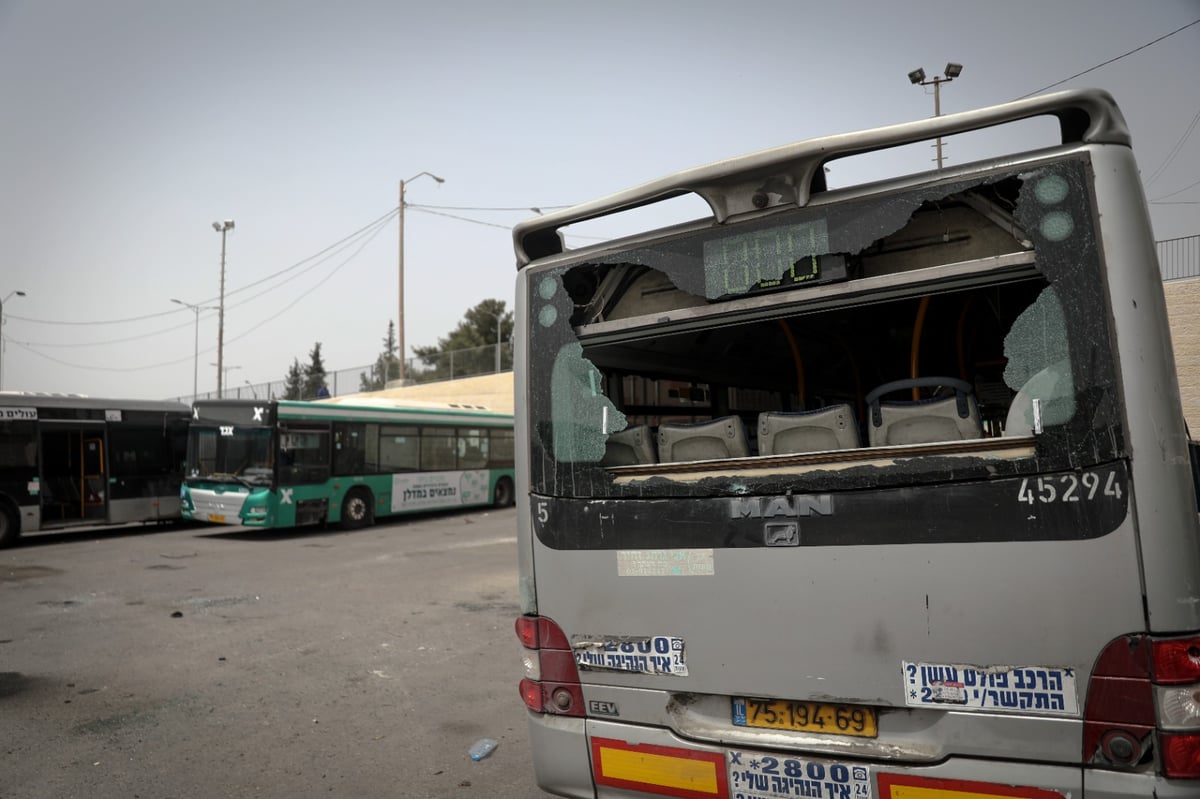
(470, 348)
(314, 372)
(293, 386)
(386, 366)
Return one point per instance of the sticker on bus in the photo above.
(1016, 689)
(756, 775)
(429, 490)
(655, 654)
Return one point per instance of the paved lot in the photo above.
(216, 662)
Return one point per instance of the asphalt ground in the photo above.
(202, 661)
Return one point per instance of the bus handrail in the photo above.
(790, 174)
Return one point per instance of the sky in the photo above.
(130, 126)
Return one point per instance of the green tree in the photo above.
(314, 372)
(470, 348)
(293, 386)
(386, 366)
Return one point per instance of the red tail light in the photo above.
(552, 686)
(1145, 691)
(1177, 660)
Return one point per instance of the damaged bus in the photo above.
(881, 490)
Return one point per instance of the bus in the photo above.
(281, 463)
(881, 490)
(69, 460)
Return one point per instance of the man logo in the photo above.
(781, 534)
(226, 431)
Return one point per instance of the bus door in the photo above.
(74, 477)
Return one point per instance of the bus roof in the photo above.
(792, 173)
(35, 399)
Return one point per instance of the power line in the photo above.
(1174, 152)
(379, 227)
(343, 241)
(1111, 60)
(534, 208)
(1180, 191)
(426, 209)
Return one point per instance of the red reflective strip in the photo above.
(903, 786)
(692, 780)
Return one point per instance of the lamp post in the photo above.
(499, 333)
(222, 371)
(7, 297)
(222, 228)
(195, 309)
(400, 319)
(917, 78)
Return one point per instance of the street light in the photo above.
(400, 320)
(222, 371)
(499, 322)
(7, 297)
(196, 309)
(222, 228)
(917, 78)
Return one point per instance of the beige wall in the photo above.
(1183, 310)
(493, 391)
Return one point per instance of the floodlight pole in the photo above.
(222, 228)
(400, 318)
(917, 77)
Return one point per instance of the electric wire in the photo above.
(1111, 60)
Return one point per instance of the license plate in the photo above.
(758, 775)
(819, 717)
(212, 517)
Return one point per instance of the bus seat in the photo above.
(630, 446)
(950, 418)
(698, 441)
(783, 433)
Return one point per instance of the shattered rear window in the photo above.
(949, 332)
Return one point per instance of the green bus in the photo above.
(280, 463)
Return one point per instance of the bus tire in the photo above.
(357, 509)
(504, 495)
(10, 525)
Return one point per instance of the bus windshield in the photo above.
(968, 311)
(242, 456)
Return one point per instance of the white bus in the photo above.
(875, 491)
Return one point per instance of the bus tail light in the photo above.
(551, 683)
(1145, 692)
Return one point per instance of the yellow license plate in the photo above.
(819, 717)
(212, 517)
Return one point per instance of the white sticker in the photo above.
(655, 654)
(664, 562)
(1034, 690)
(758, 775)
(428, 490)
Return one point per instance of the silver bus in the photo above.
(881, 490)
(71, 460)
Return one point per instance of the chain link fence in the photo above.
(444, 365)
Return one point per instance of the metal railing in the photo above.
(1179, 258)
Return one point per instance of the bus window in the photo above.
(304, 455)
(399, 448)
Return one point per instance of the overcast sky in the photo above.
(130, 126)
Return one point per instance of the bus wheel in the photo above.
(356, 509)
(504, 494)
(9, 526)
